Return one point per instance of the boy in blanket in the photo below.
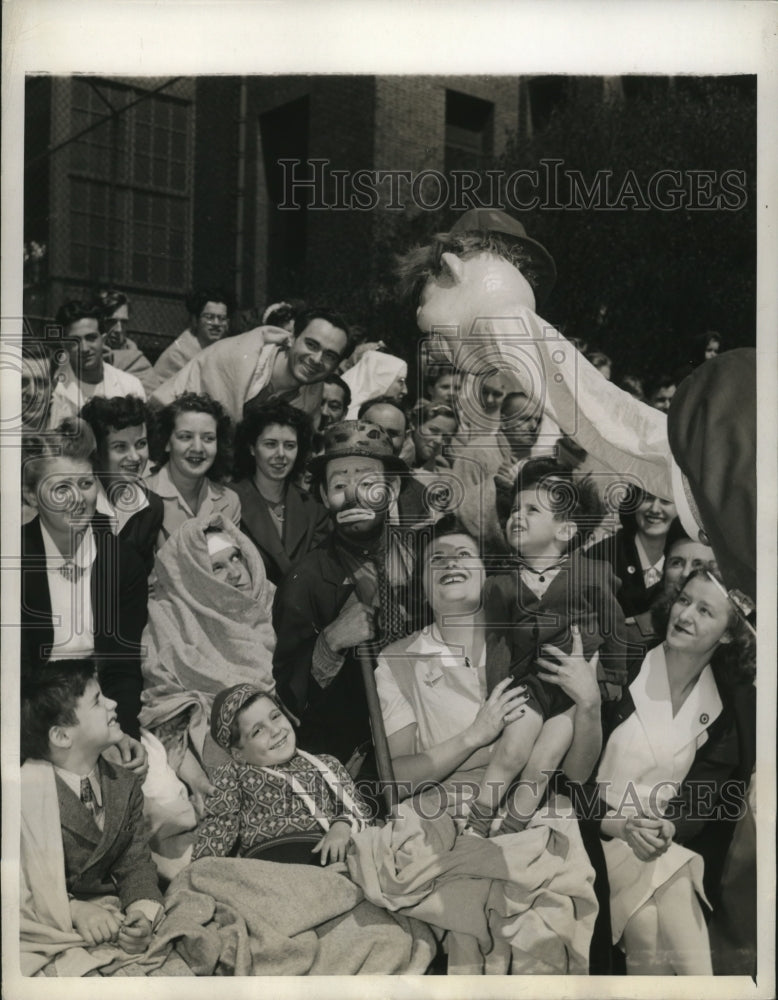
(82, 839)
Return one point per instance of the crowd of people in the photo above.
(463, 648)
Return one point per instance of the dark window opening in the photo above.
(284, 135)
(469, 132)
(546, 94)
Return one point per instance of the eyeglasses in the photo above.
(213, 318)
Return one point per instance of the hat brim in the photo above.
(392, 463)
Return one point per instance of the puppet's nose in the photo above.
(454, 264)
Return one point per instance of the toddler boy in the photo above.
(554, 600)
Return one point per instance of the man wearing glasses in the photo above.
(209, 321)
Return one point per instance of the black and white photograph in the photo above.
(383, 394)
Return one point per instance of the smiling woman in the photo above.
(192, 448)
(83, 590)
(134, 512)
(673, 776)
(636, 551)
(273, 443)
(441, 724)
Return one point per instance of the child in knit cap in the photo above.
(270, 788)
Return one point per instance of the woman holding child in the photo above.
(441, 725)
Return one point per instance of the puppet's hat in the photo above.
(492, 220)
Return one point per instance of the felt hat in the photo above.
(492, 220)
(357, 437)
(712, 430)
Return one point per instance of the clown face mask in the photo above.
(456, 304)
(357, 493)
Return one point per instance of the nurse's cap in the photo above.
(712, 431)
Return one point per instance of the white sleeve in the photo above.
(395, 707)
(627, 437)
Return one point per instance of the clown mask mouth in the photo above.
(354, 515)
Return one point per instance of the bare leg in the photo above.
(512, 751)
(644, 954)
(682, 927)
(551, 745)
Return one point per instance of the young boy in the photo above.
(556, 602)
(66, 724)
(270, 788)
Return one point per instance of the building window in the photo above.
(469, 132)
(130, 186)
(284, 134)
(546, 94)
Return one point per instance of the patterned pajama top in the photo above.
(253, 804)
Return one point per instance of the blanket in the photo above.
(203, 634)
(223, 916)
(49, 943)
(522, 903)
(275, 919)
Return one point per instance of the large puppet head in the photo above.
(485, 268)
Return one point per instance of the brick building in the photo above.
(155, 185)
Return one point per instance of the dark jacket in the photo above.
(306, 525)
(333, 719)
(411, 507)
(141, 531)
(118, 859)
(619, 550)
(582, 593)
(119, 604)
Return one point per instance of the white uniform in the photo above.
(645, 760)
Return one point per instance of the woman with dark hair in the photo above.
(636, 551)
(440, 383)
(134, 512)
(672, 779)
(191, 447)
(273, 443)
(441, 725)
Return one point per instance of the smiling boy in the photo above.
(78, 808)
